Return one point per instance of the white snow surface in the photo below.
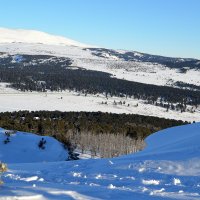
(169, 168)
(13, 100)
(35, 37)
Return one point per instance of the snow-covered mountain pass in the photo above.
(19, 147)
(169, 168)
(122, 64)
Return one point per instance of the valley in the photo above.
(13, 100)
(85, 122)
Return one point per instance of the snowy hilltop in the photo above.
(35, 37)
(168, 168)
(19, 147)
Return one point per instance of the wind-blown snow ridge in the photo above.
(35, 37)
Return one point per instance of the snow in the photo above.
(177, 181)
(168, 168)
(165, 162)
(150, 182)
(13, 100)
(34, 37)
(174, 144)
(23, 148)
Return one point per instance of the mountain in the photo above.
(168, 168)
(35, 37)
(122, 64)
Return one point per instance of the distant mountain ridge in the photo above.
(39, 37)
(35, 37)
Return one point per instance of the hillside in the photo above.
(122, 64)
(167, 169)
(35, 37)
(34, 65)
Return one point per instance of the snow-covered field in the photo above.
(13, 100)
(15, 42)
(169, 168)
(142, 72)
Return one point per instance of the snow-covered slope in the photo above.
(35, 37)
(169, 168)
(23, 148)
(176, 143)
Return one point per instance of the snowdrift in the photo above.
(175, 143)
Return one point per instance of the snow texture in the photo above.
(35, 37)
(169, 168)
(23, 148)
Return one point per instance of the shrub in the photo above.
(42, 143)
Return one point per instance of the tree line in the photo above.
(101, 134)
(42, 73)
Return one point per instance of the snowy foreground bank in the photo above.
(169, 168)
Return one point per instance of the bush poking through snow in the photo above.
(3, 168)
(42, 143)
(7, 140)
(8, 133)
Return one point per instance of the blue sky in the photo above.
(164, 27)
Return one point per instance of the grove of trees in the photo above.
(100, 134)
(42, 73)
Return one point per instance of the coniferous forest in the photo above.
(101, 134)
(42, 73)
